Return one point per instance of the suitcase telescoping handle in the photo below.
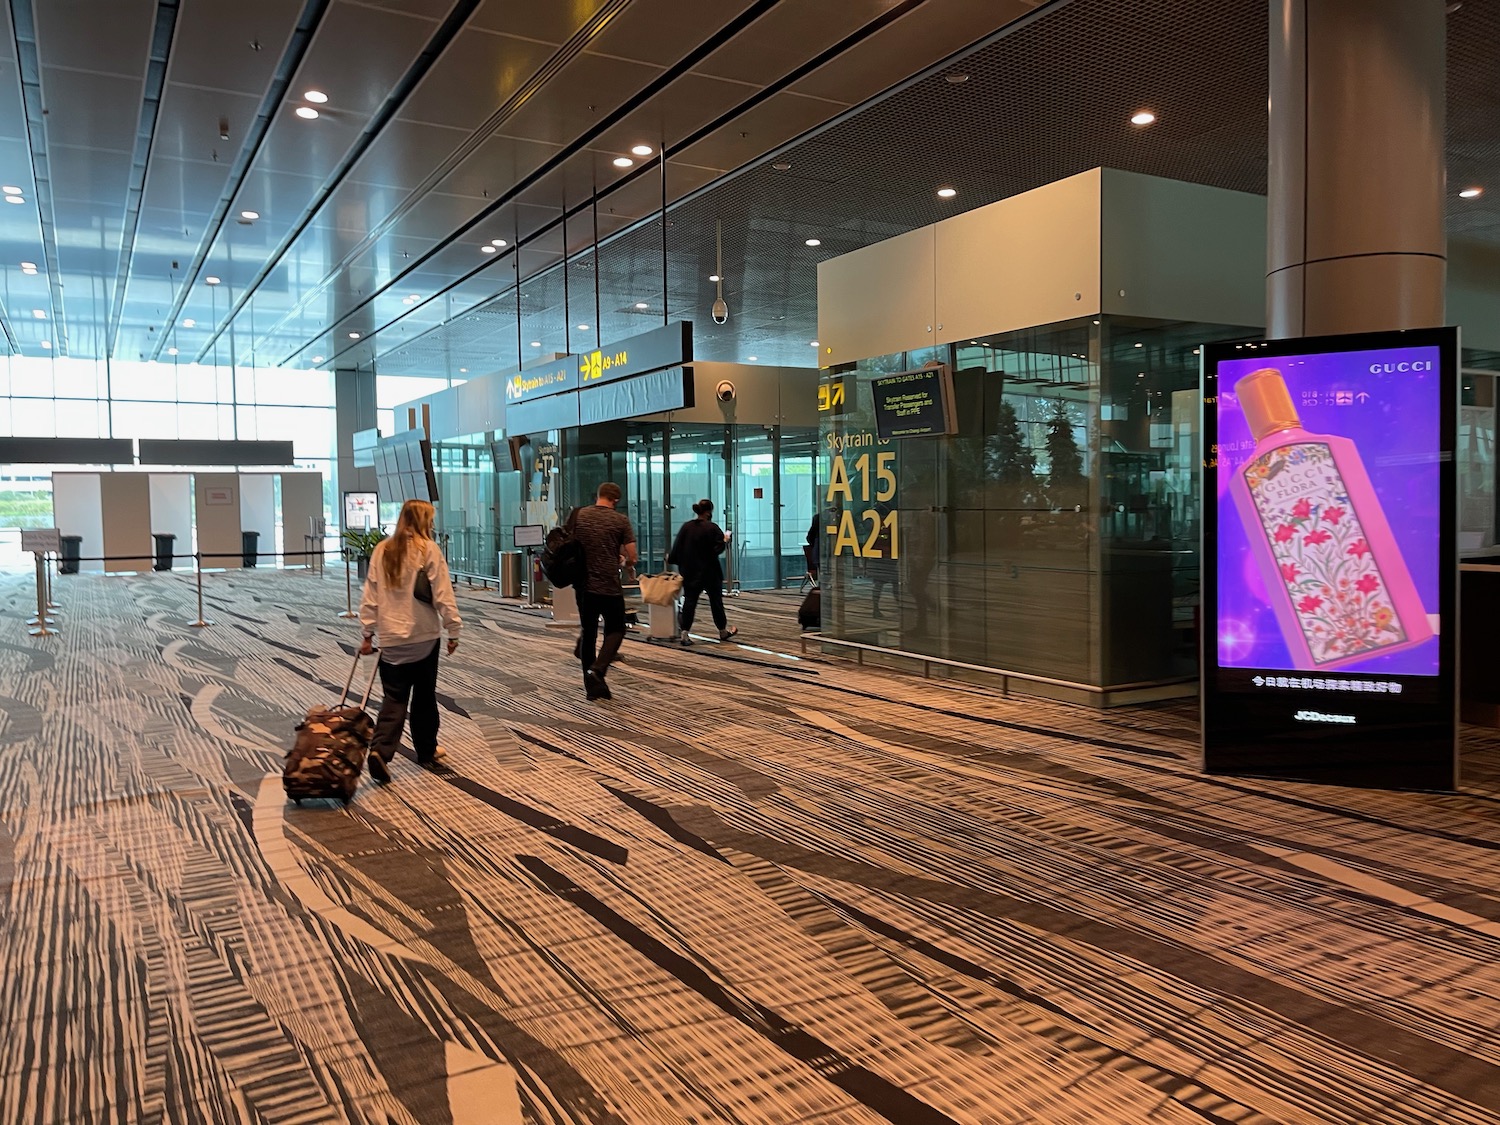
(349, 683)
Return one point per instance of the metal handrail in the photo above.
(1004, 673)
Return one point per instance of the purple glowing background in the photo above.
(1394, 419)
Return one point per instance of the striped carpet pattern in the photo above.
(755, 887)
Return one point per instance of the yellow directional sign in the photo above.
(831, 397)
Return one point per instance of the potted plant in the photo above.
(360, 542)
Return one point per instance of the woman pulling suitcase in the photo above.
(407, 604)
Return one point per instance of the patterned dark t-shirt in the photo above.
(603, 531)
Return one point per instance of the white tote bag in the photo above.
(660, 589)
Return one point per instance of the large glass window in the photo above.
(63, 397)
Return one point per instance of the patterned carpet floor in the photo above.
(753, 888)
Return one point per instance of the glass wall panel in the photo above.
(1054, 535)
(1477, 494)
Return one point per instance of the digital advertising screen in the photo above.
(1330, 558)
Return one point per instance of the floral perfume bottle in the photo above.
(1332, 569)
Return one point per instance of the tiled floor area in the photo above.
(751, 889)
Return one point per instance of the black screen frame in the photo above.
(1405, 741)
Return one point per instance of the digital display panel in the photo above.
(914, 403)
(1330, 560)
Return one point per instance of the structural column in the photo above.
(1356, 239)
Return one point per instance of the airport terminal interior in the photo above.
(935, 301)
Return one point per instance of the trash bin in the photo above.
(72, 548)
(512, 573)
(164, 549)
(249, 547)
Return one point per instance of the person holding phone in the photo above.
(695, 553)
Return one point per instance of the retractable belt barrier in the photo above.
(42, 625)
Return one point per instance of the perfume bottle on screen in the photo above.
(1332, 569)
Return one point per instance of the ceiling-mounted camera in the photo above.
(721, 311)
(724, 392)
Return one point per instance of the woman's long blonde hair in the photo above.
(414, 522)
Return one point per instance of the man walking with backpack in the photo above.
(608, 542)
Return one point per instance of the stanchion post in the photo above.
(348, 611)
(49, 564)
(198, 567)
(39, 628)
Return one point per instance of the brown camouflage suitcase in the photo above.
(329, 753)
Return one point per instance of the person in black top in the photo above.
(608, 543)
(696, 553)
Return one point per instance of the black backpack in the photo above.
(562, 558)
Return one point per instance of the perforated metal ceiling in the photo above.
(452, 123)
(1046, 100)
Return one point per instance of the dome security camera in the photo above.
(721, 311)
(724, 391)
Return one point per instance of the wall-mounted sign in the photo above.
(833, 397)
(669, 346)
(1330, 559)
(218, 497)
(915, 403)
(361, 510)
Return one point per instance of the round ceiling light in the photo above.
(1471, 193)
(251, 216)
(317, 97)
(752, 358)
(171, 351)
(814, 242)
(14, 199)
(10, 189)
(47, 344)
(583, 328)
(354, 335)
(317, 359)
(946, 192)
(642, 305)
(1144, 117)
(210, 280)
(642, 150)
(536, 343)
(487, 249)
(957, 79)
(307, 113)
(498, 242)
(782, 166)
(812, 343)
(463, 370)
(713, 277)
(623, 162)
(189, 322)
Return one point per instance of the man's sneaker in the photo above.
(378, 769)
(439, 756)
(685, 640)
(725, 634)
(595, 686)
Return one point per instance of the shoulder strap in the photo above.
(572, 521)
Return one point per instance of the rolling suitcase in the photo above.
(810, 612)
(329, 753)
